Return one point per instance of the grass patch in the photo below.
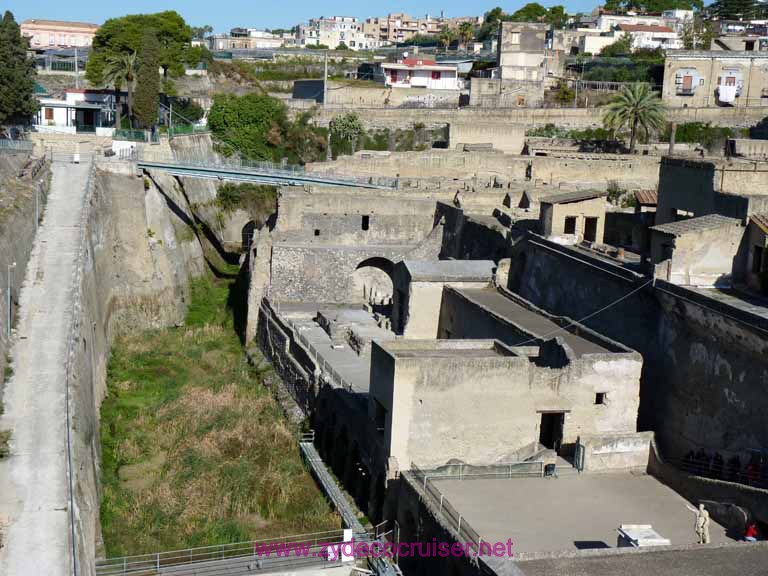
(195, 451)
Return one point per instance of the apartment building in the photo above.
(50, 34)
(332, 31)
(401, 27)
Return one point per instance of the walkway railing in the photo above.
(194, 165)
(16, 146)
(255, 550)
(749, 475)
(332, 374)
(453, 517)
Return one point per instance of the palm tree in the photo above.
(122, 68)
(447, 35)
(466, 32)
(636, 105)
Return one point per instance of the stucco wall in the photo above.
(481, 409)
(704, 372)
(703, 258)
(509, 138)
(616, 451)
(553, 217)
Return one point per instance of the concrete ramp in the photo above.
(35, 504)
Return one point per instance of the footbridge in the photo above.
(240, 170)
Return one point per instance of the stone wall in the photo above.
(356, 96)
(533, 117)
(508, 139)
(704, 372)
(17, 233)
(128, 281)
(616, 452)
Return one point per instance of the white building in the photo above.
(420, 73)
(332, 31)
(79, 111)
(651, 36)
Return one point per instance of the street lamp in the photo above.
(10, 267)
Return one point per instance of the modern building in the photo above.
(711, 78)
(651, 36)
(246, 39)
(401, 27)
(420, 73)
(47, 34)
(79, 111)
(333, 31)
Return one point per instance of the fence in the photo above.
(16, 146)
(222, 556)
(332, 374)
(455, 520)
(187, 130)
(755, 475)
(136, 135)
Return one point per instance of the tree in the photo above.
(466, 32)
(250, 124)
(635, 106)
(147, 102)
(557, 16)
(17, 74)
(531, 12)
(342, 46)
(124, 35)
(121, 68)
(734, 9)
(622, 47)
(200, 32)
(347, 127)
(447, 35)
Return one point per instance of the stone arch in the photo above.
(372, 282)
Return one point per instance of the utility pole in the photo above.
(325, 80)
(77, 72)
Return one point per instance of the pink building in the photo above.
(45, 34)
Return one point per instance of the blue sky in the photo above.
(225, 14)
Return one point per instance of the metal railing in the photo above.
(221, 556)
(754, 476)
(467, 534)
(16, 146)
(187, 130)
(191, 163)
(332, 375)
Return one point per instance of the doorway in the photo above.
(551, 430)
(590, 229)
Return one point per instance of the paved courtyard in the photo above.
(573, 512)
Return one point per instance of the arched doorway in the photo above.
(372, 284)
(247, 234)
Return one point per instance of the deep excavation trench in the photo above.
(194, 449)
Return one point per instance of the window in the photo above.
(600, 397)
(730, 80)
(749, 45)
(757, 259)
(435, 75)
(366, 220)
(49, 113)
(317, 232)
(570, 225)
(514, 38)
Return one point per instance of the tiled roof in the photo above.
(708, 222)
(647, 197)
(577, 196)
(761, 220)
(644, 28)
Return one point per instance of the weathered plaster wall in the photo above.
(17, 233)
(704, 378)
(703, 258)
(443, 396)
(509, 139)
(129, 281)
